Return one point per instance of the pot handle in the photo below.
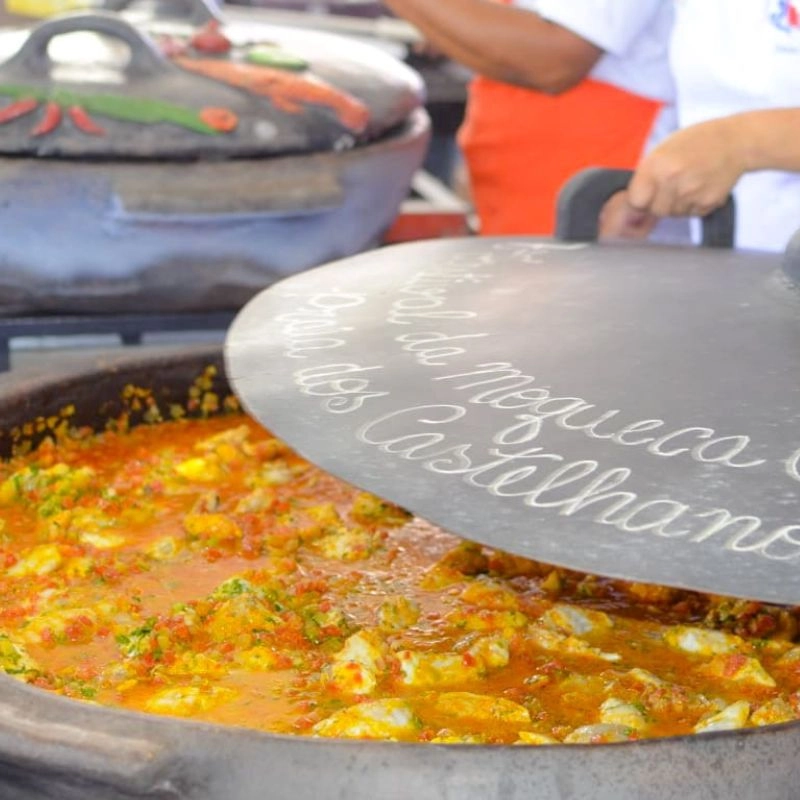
(582, 198)
(33, 59)
(197, 12)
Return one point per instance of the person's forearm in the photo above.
(501, 42)
(770, 138)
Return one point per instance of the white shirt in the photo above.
(634, 35)
(730, 56)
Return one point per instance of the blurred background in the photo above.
(45, 308)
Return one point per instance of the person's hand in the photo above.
(619, 221)
(691, 172)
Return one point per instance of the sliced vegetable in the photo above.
(210, 39)
(17, 109)
(271, 56)
(50, 121)
(220, 119)
(84, 123)
(144, 110)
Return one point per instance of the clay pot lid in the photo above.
(628, 411)
(196, 90)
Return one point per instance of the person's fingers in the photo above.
(685, 193)
(613, 216)
(692, 205)
(704, 206)
(665, 202)
(619, 221)
(615, 207)
(642, 189)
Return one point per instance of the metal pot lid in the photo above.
(624, 410)
(189, 91)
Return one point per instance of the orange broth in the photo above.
(200, 568)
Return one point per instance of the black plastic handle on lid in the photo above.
(33, 60)
(582, 197)
(196, 12)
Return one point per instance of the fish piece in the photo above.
(446, 669)
(773, 712)
(240, 614)
(261, 659)
(740, 669)
(490, 594)
(102, 540)
(448, 737)
(191, 664)
(529, 737)
(164, 549)
(397, 614)
(701, 641)
(40, 560)
(564, 618)
(617, 712)
(346, 544)
(185, 701)
(481, 707)
(211, 528)
(204, 470)
(15, 659)
(67, 625)
(567, 645)
(601, 733)
(471, 619)
(369, 509)
(355, 669)
(730, 718)
(391, 718)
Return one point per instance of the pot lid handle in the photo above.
(34, 60)
(198, 12)
(582, 198)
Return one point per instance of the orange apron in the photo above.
(521, 146)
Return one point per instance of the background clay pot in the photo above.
(118, 199)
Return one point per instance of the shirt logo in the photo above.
(785, 15)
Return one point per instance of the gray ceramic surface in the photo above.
(621, 410)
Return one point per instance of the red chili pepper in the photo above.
(210, 39)
(18, 109)
(84, 123)
(220, 119)
(50, 121)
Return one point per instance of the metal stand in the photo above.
(432, 211)
(129, 327)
